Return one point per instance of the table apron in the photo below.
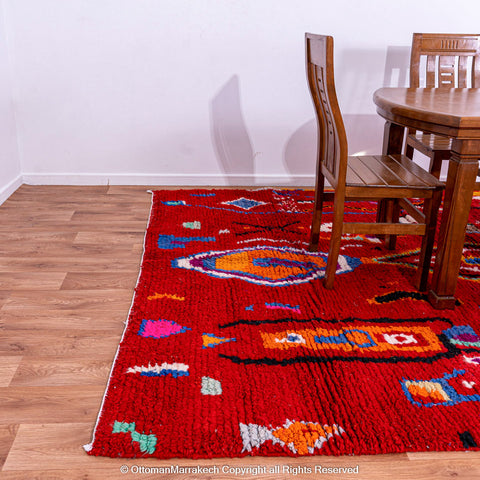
(459, 132)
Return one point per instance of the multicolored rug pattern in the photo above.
(233, 346)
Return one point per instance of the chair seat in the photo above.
(397, 173)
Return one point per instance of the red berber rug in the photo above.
(233, 346)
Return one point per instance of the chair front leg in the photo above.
(430, 210)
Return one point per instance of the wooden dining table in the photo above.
(453, 113)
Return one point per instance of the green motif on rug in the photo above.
(147, 442)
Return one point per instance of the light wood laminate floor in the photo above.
(69, 261)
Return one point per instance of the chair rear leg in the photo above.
(317, 213)
(436, 165)
(409, 152)
(392, 216)
(335, 239)
(430, 210)
(381, 212)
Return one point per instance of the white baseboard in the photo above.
(168, 179)
(6, 191)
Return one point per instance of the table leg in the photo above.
(392, 138)
(459, 189)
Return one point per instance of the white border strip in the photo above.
(8, 189)
(88, 447)
(192, 179)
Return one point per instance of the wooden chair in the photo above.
(375, 178)
(445, 61)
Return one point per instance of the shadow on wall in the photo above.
(397, 67)
(230, 137)
(301, 150)
(364, 131)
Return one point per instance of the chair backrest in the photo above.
(445, 60)
(332, 139)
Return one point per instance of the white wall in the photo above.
(198, 92)
(10, 178)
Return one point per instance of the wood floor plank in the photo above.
(52, 404)
(92, 216)
(135, 191)
(27, 208)
(8, 368)
(60, 371)
(99, 225)
(458, 468)
(68, 250)
(114, 474)
(111, 299)
(418, 457)
(31, 280)
(102, 281)
(77, 200)
(56, 446)
(103, 263)
(10, 216)
(35, 235)
(95, 343)
(59, 193)
(7, 436)
(138, 249)
(53, 319)
(43, 195)
(109, 238)
(4, 295)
